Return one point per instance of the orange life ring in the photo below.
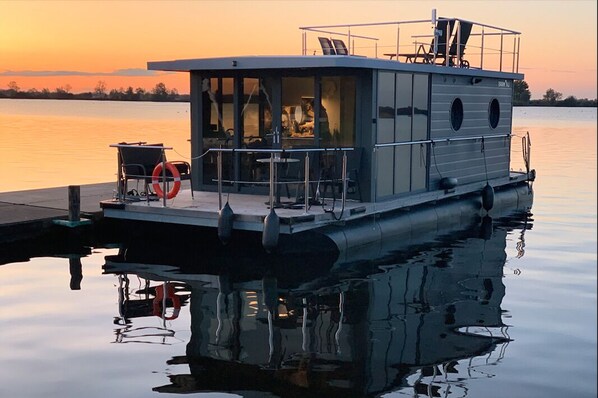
(159, 299)
(156, 176)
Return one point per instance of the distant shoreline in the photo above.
(186, 98)
(182, 98)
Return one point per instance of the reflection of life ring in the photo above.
(176, 176)
(159, 299)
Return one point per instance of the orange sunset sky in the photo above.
(50, 44)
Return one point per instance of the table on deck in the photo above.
(277, 160)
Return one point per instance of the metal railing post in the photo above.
(514, 49)
(219, 161)
(306, 171)
(446, 54)
(344, 197)
(398, 40)
(482, 56)
(458, 44)
(303, 44)
(349, 40)
(163, 178)
(501, 46)
(272, 180)
(518, 47)
(119, 175)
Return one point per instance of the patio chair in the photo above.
(444, 27)
(294, 173)
(457, 47)
(340, 47)
(138, 160)
(327, 48)
(331, 173)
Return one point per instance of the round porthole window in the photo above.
(456, 114)
(494, 113)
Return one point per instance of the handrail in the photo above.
(480, 137)
(274, 153)
(281, 150)
(139, 145)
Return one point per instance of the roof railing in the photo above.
(482, 46)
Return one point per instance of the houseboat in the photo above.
(372, 131)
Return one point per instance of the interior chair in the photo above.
(340, 47)
(327, 48)
(138, 160)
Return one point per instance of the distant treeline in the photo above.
(159, 93)
(522, 97)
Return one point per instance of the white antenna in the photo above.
(433, 16)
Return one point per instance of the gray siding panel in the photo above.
(465, 159)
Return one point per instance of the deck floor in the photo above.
(250, 210)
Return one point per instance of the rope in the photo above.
(193, 158)
(435, 162)
(484, 153)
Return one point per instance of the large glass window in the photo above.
(247, 112)
(218, 130)
(298, 111)
(337, 113)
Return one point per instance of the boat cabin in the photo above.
(411, 119)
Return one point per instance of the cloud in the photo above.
(117, 72)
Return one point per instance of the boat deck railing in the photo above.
(274, 157)
(278, 156)
(412, 41)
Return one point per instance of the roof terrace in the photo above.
(441, 41)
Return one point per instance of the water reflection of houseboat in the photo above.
(425, 317)
(361, 135)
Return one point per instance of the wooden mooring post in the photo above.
(74, 203)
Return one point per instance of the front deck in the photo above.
(250, 210)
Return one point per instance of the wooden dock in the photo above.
(30, 212)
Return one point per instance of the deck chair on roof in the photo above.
(326, 44)
(457, 48)
(444, 28)
(340, 47)
(137, 162)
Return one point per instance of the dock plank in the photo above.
(27, 212)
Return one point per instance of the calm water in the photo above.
(507, 314)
